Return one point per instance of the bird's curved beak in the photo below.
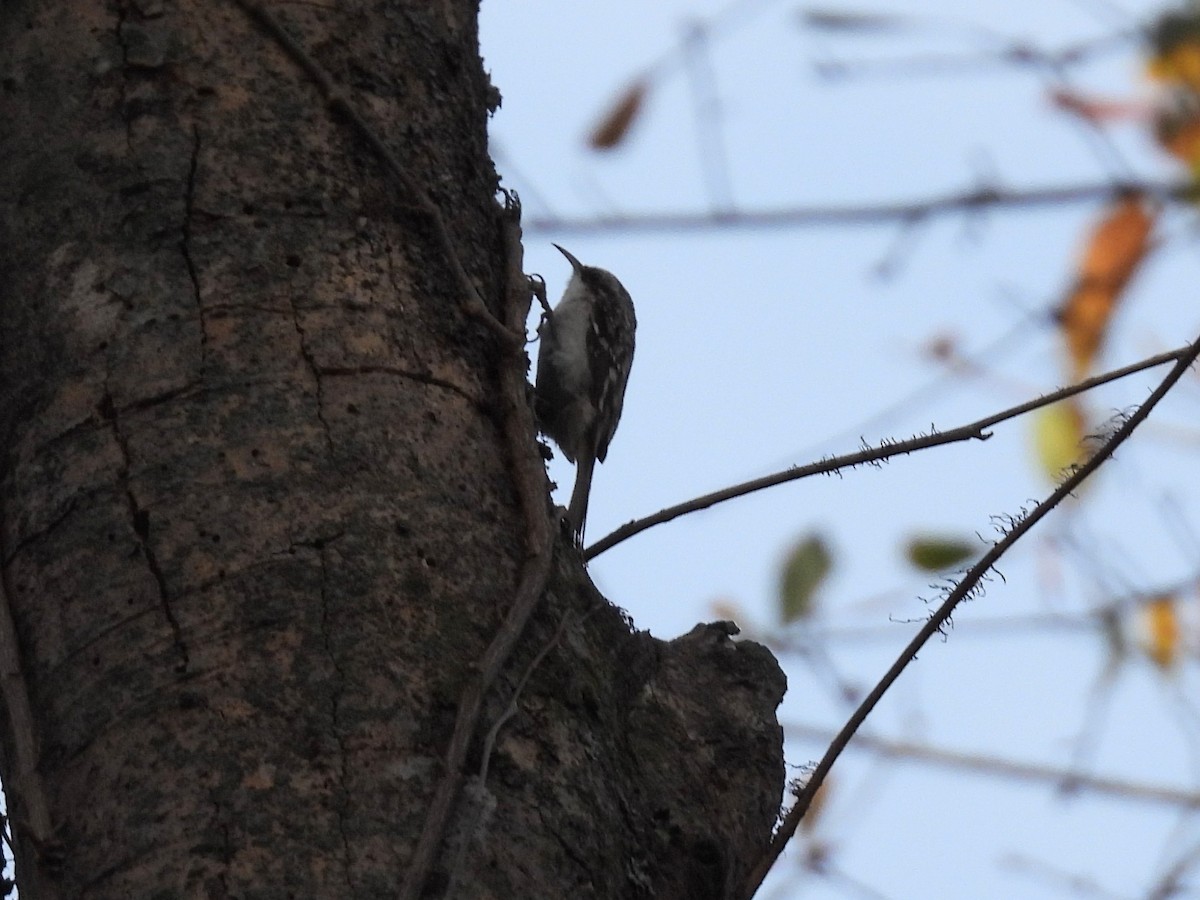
(575, 264)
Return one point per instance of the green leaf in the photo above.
(805, 569)
(933, 554)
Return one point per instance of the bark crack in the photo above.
(419, 377)
(121, 17)
(185, 243)
(140, 521)
(335, 698)
(44, 531)
(316, 371)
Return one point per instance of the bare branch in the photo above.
(975, 431)
(902, 211)
(939, 620)
(992, 765)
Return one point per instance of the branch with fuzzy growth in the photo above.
(941, 617)
(976, 430)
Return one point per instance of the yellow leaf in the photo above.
(614, 126)
(1058, 433)
(1112, 255)
(1159, 630)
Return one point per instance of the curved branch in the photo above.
(941, 617)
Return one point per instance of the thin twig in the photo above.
(974, 431)
(902, 211)
(991, 765)
(941, 617)
(528, 473)
(529, 476)
(32, 817)
(489, 742)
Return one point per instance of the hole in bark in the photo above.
(95, 660)
(254, 453)
(707, 853)
(351, 408)
(293, 260)
(248, 209)
(141, 523)
(436, 885)
(216, 539)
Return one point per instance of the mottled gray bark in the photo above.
(257, 520)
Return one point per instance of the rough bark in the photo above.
(256, 515)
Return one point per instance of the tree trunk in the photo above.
(258, 521)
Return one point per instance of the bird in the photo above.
(585, 354)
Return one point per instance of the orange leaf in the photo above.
(809, 823)
(1160, 632)
(1113, 253)
(1095, 109)
(1177, 124)
(1176, 42)
(1182, 140)
(612, 129)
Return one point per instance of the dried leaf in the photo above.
(1177, 125)
(1159, 631)
(805, 569)
(614, 126)
(1095, 109)
(727, 609)
(1176, 42)
(819, 801)
(1116, 247)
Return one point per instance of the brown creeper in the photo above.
(583, 366)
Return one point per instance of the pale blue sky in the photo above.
(762, 348)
